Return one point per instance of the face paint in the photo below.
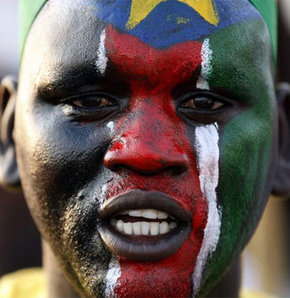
(208, 157)
(157, 22)
(141, 9)
(73, 162)
(113, 274)
(206, 9)
(102, 60)
(206, 69)
(124, 153)
(239, 203)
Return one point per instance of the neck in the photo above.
(59, 287)
(57, 284)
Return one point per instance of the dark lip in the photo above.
(134, 247)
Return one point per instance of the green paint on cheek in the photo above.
(246, 141)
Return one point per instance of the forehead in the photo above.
(67, 34)
(159, 23)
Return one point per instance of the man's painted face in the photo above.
(145, 136)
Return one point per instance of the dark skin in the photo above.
(62, 157)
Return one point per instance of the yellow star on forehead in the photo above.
(140, 9)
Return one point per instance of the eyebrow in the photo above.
(69, 80)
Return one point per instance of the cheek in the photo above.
(246, 154)
(57, 158)
(60, 155)
(244, 183)
(59, 162)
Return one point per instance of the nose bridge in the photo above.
(148, 142)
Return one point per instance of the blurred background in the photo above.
(19, 239)
(266, 261)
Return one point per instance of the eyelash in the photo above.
(80, 107)
(197, 101)
(104, 101)
(202, 103)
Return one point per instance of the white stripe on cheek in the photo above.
(207, 152)
(112, 276)
(102, 58)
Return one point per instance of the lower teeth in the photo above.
(143, 227)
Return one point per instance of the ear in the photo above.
(281, 185)
(9, 176)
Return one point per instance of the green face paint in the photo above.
(247, 140)
(268, 10)
(28, 11)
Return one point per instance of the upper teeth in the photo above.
(147, 213)
(143, 227)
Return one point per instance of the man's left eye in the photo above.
(202, 103)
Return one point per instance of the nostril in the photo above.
(176, 170)
(116, 168)
(170, 171)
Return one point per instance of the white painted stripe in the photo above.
(111, 125)
(207, 151)
(102, 58)
(207, 154)
(112, 276)
(206, 68)
(102, 197)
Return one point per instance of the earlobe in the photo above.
(281, 185)
(9, 176)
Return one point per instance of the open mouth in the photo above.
(144, 222)
(144, 226)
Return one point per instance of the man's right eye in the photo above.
(91, 107)
(94, 102)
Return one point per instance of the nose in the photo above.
(148, 149)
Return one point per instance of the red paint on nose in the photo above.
(152, 140)
(149, 143)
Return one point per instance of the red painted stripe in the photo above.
(151, 139)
